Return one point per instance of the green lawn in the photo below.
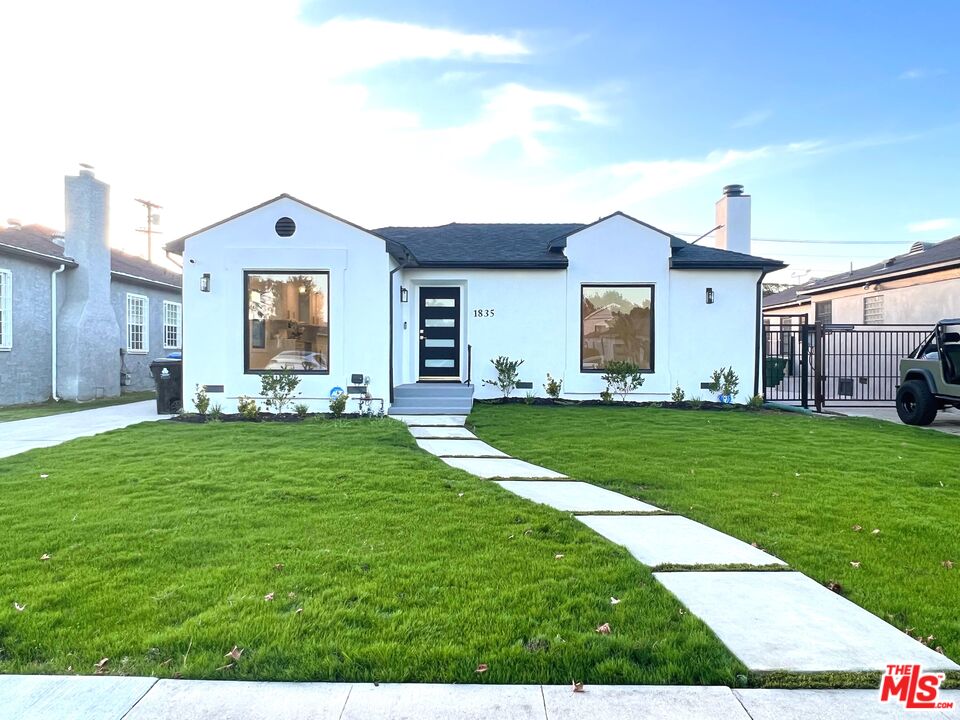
(166, 538)
(794, 484)
(51, 407)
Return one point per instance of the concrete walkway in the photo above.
(52, 697)
(19, 436)
(771, 618)
(947, 421)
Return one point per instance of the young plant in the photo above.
(201, 400)
(530, 398)
(301, 409)
(247, 407)
(756, 402)
(216, 413)
(553, 387)
(695, 402)
(678, 395)
(623, 377)
(725, 383)
(339, 404)
(278, 389)
(507, 375)
(606, 396)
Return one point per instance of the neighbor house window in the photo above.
(138, 312)
(873, 310)
(6, 310)
(287, 321)
(823, 312)
(171, 325)
(616, 323)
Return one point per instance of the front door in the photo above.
(439, 334)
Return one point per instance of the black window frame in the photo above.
(653, 322)
(246, 320)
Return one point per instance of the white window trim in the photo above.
(146, 323)
(7, 310)
(179, 326)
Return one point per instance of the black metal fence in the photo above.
(834, 364)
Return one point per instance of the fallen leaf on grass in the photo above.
(44, 557)
(228, 666)
(278, 567)
(604, 629)
(835, 587)
(948, 564)
(291, 595)
(855, 563)
(102, 665)
(558, 556)
(875, 531)
(459, 494)
(268, 597)
(578, 686)
(235, 653)
(299, 610)
(43, 476)
(857, 528)
(614, 601)
(481, 668)
(18, 606)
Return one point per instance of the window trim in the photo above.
(7, 310)
(179, 325)
(146, 323)
(246, 324)
(653, 322)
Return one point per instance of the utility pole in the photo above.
(152, 219)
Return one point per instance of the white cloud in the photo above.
(752, 119)
(932, 225)
(919, 73)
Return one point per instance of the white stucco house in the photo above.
(415, 314)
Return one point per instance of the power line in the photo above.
(901, 243)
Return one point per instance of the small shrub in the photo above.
(301, 410)
(216, 413)
(529, 398)
(696, 403)
(725, 383)
(339, 404)
(678, 395)
(623, 377)
(606, 396)
(278, 388)
(201, 400)
(553, 387)
(756, 402)
(507, 375)
(247, 407)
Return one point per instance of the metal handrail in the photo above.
(469, 364)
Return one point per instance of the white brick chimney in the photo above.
(733, 217)
(88, 335)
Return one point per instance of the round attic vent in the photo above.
(286, 227)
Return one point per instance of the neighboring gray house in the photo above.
(79, 320)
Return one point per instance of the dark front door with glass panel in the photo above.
(439, 334)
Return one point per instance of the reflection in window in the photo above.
(288, 325)
(616, 324)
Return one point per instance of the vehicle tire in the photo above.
(916, 405)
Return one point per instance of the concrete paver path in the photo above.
(19, 436)
(574, 496)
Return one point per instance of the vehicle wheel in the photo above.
(916, 405)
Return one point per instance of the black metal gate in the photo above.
(834, 364)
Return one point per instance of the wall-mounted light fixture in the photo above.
(205, 282)
(404, 295)
(709, 296)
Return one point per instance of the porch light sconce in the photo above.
(709, 296)
(404, 295)
(205, 282)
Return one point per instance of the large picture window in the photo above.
(287, 321)
(616, 323)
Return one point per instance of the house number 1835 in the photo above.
(485, 312)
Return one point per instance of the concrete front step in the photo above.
(437, 409)
(431, 390)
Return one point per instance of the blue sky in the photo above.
(841, 119)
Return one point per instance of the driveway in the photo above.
(947, 421)
(21, 435)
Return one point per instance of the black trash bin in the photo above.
(168, 376)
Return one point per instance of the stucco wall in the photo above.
(138, 364)
(358, 300)
(25, 369)
(922, 303)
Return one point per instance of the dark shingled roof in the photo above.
(788, 296)
(512, 245)
(690, 256)
(38, 243)
(947, 251)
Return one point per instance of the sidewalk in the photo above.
(47, 697)
(19, 436)
(947, 421)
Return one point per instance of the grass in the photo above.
(165, 539)
(795, 485)
(52, 407)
